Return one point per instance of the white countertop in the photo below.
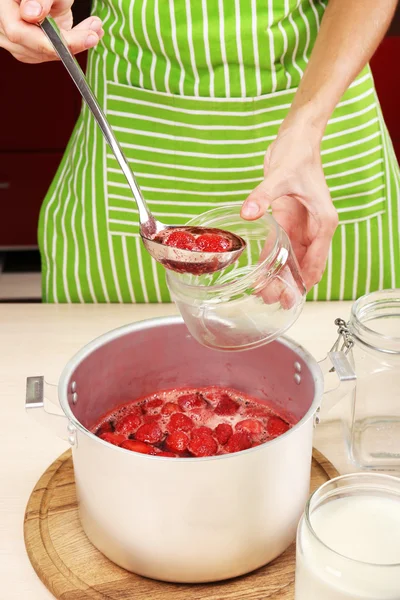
(38, 339)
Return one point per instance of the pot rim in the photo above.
(114, 334)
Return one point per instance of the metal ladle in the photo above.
(191, 261)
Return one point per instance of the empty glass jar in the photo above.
(249, 303)
(372, 417)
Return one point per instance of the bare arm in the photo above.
(351, 31)
(294, 184)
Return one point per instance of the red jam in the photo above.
(191, 423)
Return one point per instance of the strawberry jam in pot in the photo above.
(192, 422)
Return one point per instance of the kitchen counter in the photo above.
(39, 339)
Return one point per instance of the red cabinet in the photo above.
(38, 109)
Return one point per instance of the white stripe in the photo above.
(65, 239)
(366, 167)
(354, 157)
(354, 184)
(141, 273)
(329, 275)
(270, 11)
(54, 248)
(113, 38)
(175, 45)
(351, 144)
(356, 259)
(92, 126)
(361, 206)
(136, 43)
(331, 136)
(203, 154)
(359, 81)
(223, 49)
(149, 46)
(343, 262)
(356, 98)
(126, 45)
(294, 55)
(191, 48)
(162, 47)
(82, 197)
(183, 138)
(306, 23)
(127, 269)
(207, 47)
(156, 283)
(380, 240)
(202, 127)
(352, 115)
(389, 206)
(73, 217)
(359, 219)
(190, 168)
(315, 11)
(184, 192)
(369, 258)
(130, 234)
(235, 99)
(254, 34)
(45, 225)
(190, 111)
(169, 203)
(189, 180)
(240, 50)
(397, 194)
(315, 292)
(285, 49)
(156, 214)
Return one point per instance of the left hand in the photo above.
(295, 188)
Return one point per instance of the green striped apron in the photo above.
(195, 91)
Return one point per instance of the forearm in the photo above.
(350, 32)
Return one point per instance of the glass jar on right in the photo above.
(372, 419)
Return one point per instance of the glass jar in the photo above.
(249, 303)
(348, 540)
(372, 417)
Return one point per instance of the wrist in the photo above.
(305, 121)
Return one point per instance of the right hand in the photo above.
(20, 35)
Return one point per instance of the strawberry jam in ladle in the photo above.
(187, 249)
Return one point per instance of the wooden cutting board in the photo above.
(72, 569)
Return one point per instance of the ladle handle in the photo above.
(76, 73)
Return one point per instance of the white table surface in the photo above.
(39, 339)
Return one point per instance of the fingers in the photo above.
(79, 40)
(261, 198)
(314, 261)
(34, 11)
(27, 42)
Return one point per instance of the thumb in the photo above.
(261, 198)
(34, 11)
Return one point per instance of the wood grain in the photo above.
(72, 569)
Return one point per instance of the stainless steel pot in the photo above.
(187, 520)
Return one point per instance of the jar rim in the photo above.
(378, 477)
(367, 304)
(242, 282)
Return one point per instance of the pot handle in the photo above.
(49, 415)
(336, 362)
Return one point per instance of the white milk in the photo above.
(362, 528)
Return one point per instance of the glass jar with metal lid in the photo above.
(372, 418)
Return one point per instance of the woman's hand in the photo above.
(20, 35)
(295, 189)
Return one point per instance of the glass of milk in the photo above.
(348, 540)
